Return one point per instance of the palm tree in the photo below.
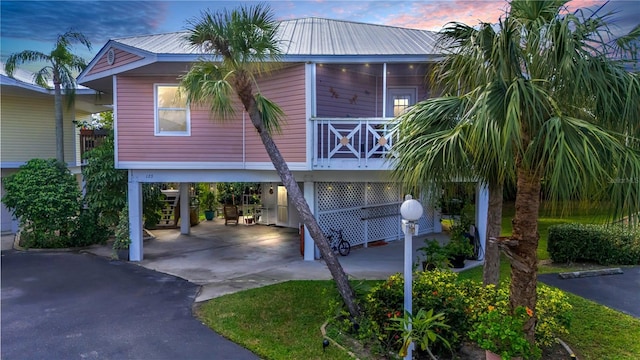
(61, 64)
(538, 99)
(244, 45)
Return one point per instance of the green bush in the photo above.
(105, 186)
(438, 290)
(598, 243)
(44, 196)
(89, 231)
(122, 234)
(462, 303)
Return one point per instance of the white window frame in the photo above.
(395, 90)
(157, 131)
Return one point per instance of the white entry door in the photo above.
(283, 207)
(399, 99)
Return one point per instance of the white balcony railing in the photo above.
(348, 142)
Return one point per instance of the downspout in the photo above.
(244, 142)
(384, 90)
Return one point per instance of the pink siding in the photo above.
(122, 58)
(287, 89)
(210, 140)
(347, 93)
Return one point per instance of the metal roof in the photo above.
(314, 37)
(25, 79)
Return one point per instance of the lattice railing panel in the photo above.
(348, 221)
(364, 209)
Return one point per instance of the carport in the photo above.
(226, 259)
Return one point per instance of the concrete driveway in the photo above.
(226, 259)
(80, 306)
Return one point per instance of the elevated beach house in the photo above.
(340, 84)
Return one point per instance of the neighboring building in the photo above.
(340, 85)
(28, 126)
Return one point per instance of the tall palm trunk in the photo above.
(523, 256)
(297, 197)
(491, 269)
(59, 122)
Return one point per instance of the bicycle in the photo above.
(338, 243)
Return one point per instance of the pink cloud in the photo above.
(434, 15)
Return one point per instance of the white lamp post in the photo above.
(411, 210)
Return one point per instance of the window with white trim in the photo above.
(172, 116)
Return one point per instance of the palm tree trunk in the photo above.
(59, 123)
(491, 269)
(297, 197)
(524, 256)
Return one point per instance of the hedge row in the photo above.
(605, 245)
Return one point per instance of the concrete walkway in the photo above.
(226, 259)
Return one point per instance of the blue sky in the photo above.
(33, 25)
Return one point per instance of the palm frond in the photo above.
(22, 57)
(272, 115)
(207, 83)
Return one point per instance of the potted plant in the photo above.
(459, 246)
(122, 240)
(434, 255)
(501, 334)
(458, 249)
(209, 203)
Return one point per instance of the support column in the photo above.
(310, 250)
(482, 211)
(185, 216)
(134, 198)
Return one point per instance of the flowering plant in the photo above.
(503, 333)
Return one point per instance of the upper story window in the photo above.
(172, 116)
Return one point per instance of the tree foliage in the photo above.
(537, 97)
(61, 67)
(106, 187)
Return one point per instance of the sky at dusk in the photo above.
(34, 25)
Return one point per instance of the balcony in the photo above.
(90, 139)
(348, 143)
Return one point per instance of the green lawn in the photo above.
(283, 321)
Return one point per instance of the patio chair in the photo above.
(230, 214)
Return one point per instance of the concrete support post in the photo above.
(185, 216)
(482, 211)
(309, 246)
(134, 198)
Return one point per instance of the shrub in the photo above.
(553, 310)
(502, 333)
(463, 303)
(89, 231)
(438, 290)
(105, 186)
(599, 243)
(122, 235)
(44, 196)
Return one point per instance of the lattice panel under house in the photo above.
(339, 195)
(383, 193)
(347, 220)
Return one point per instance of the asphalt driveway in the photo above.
(620, 292)
(81, 306)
